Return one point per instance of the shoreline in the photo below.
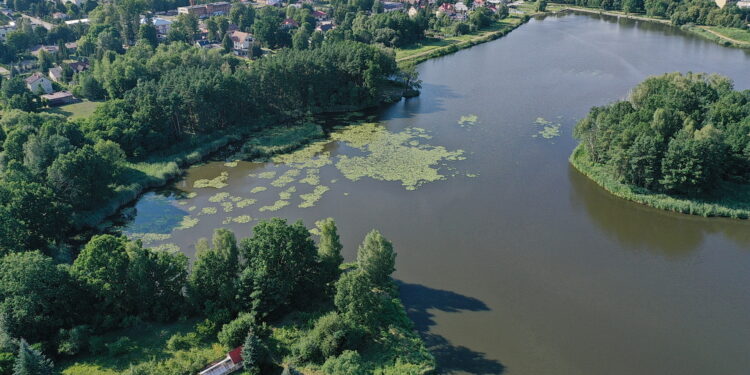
(579, 160)
(697, 30)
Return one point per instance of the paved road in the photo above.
(35, 20)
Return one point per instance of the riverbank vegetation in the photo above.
(678, 142)
(123, 308)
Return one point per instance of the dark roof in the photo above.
(34, 77)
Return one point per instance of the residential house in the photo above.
(56, 74)
(445, 8)
(59, 98)
(274, 3)
(206, 10)
(7, 29)
(243, 42)
(26, 65)
(460, 7)
(743, 4)
(37, 82)
(723, 3)
(289, 24)
(325, 26)
(51, 49)
(59, 16)
(79, 66)
(320, 16)
(413, 12)
(72, 47)
(161, 25)
(390, 6)
(228, 365)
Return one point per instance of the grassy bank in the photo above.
(397, 349)
(729, 199)
(726, 36)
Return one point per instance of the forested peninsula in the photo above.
(679, 142)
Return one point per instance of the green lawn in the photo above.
(76, 110)
(732, 32)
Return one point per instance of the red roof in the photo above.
(290, 21)
(318, 14)
(236, 355)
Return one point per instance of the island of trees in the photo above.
(285, 299)
(679, 142)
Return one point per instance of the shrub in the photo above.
(234, 332)
(348, 363)
(74, 340)
(183, 342)
(330, 336)
(121, 346)
(6, 363)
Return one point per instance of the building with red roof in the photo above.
(231, 363)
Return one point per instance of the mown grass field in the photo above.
(75, 111)
(734, 33)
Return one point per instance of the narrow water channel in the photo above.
(510, 261)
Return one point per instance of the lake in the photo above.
(509, 260)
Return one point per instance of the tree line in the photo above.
(239, 288)
(679, 12)
(677, 133)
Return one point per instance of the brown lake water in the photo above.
(513, 262)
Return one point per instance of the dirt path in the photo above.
(722, 36)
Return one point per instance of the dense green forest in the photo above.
(680, 12)
(241, 292)
(680, 134)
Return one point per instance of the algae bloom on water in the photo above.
(468, 120)
(216, 183)
(392, 156)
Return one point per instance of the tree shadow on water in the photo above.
(418, 301)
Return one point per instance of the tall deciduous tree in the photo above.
(376, 258)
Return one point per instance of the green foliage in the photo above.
(330, 335)
(376, 258)
(6, 363)
(212, 282)
(253, 352)
(281, 260)
(31, 361)
(678, 134)
(186, 341)
(348, 363)
(37, 297)
(233, 333)
(358, 301)
(329, 251)
(74, 341)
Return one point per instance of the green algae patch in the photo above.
(286, 178)
(209, 210)
(231, 164)
(167, 247)
(468, 120)
(187, 223)
(258, 189)
(191, 195)
(309, 199)
(216, 183)
(227, 206)
(267, 175)
(246, 202)
(312, 177)
(390, 157)
(192, 208)
(279, 204)
(287, 194)
(549, 129)
(149, 238)
(242, 219)
(218, 197)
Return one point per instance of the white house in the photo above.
(743, 4)
(230, 364)
(162, 25)
(39, 83)
(461, 7)
(243, 42)
(7, 29)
